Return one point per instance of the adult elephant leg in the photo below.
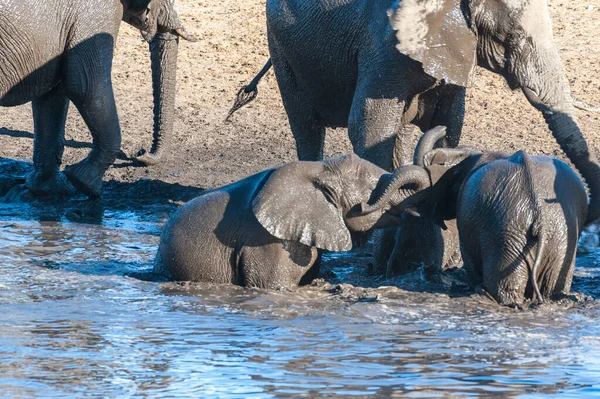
(373, 126)
(450, 112)
(49, 117)
(443, 105)
(373, 130)
(89, 86)
(307, 128)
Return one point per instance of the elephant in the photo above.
(519, 218)
(374, 66)
(63, 52)
(399, 250)
(268, 229)
(402, 251)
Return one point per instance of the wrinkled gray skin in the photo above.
(265, 231)
(401, 250)
(55, 51)
(418, 243)
(350, 63)
(519, 218)
(354, 63)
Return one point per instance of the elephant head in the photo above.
(453, 167)
(447, 169)
(159, 24)
(320, 203)
(509, 37)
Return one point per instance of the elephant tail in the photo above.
(250, 91)
(536, 230)
(539, 255)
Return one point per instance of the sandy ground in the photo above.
(209, 152)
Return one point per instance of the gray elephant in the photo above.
(401, 250)
(63, 52)
(266, 230)
(519, 218)
(376, 65)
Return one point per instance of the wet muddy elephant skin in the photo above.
(418, 242)
(266, 230)
(54, 52)
(519, 219)
(375, 65)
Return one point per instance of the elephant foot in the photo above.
(86, 178)
(48, 185)
(511, 299)
(149, 158)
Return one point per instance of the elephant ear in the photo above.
(447, 169)
(437, 34)
(435, 203)
(292, 205)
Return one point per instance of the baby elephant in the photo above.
(265, 230)
(519, 218)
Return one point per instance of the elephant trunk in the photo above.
(566, 131)
(390, 192)
(163, 53)
(427, 142)
(546, 86)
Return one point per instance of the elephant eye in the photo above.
(328, 192)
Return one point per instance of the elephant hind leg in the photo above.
(508, 280)
(307, 127)
(49, 117)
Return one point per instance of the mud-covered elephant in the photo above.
(266, 230)
(53, 52)
(418, 242)
(519, 218)
(376, 65)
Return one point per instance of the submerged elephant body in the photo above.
(216, 238)
(265, 230)
(55, 52)
(519, 219)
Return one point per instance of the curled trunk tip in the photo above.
(401, 176)
(427, 142)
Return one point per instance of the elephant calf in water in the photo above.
(519, 218)
(266, 230)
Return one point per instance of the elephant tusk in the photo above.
(185, 35)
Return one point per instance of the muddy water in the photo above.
(75, 324)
